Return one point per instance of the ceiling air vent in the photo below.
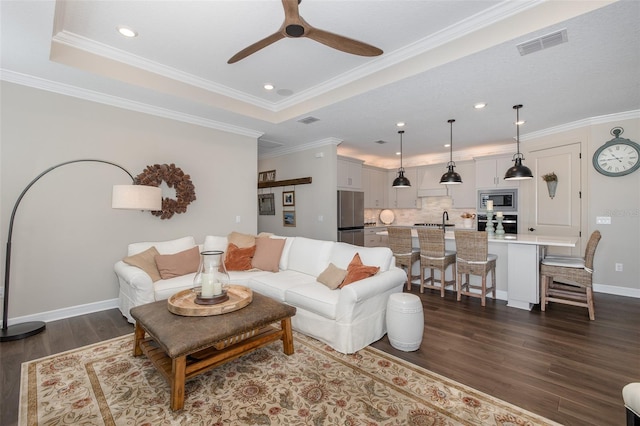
(381, 142)
(544, 42)
(308, 120)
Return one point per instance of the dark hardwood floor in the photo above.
(557, 364)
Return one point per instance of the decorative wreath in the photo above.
(174, 177)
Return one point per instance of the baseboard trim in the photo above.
(616, 290)
(72, 311)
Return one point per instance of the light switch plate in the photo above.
(603, 220)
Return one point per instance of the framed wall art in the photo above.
(288, 198)
(289, 218)
(268, 176)
(266, 204)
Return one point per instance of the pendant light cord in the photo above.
(401, 133)
(517, 108)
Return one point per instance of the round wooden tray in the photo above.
(183, 303)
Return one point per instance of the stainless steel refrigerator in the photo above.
(351, 217)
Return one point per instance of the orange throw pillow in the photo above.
(238, 259)
(356, 271)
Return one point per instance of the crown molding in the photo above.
(93, 96)
(298, 148)
(85, 44)
(592, 121)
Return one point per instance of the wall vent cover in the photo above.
(543, 42)
(308, 120)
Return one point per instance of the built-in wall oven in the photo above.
(509, 223)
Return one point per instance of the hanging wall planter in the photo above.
(552, 183)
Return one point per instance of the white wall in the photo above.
(318, 199)
(66, 237)
(618, 198)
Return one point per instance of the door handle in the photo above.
(532, 229)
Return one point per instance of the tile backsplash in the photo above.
(431, 212)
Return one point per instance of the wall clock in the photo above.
(617, 157)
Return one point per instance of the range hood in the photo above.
(430, 185)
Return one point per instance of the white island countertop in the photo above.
(531, 239)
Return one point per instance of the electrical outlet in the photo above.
(603, 220)
(618, 267)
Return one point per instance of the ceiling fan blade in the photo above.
(342, 43)
(256, 46)
(291, 11)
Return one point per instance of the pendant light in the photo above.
(401, 181)
(519, 171)
(451, 177)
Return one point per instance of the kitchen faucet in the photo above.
(445, 214)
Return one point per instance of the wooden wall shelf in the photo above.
(288, 182)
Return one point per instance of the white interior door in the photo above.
(560, 215)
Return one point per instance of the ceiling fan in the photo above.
(294, 27)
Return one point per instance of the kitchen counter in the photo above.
(518, 264)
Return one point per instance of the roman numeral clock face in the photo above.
(617, 157)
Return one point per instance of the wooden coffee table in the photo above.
(181, 347)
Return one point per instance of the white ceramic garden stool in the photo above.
(405, 321)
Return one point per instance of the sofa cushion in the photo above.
(276, 285)
(314, 297)
(342, 254)
(238, 259)
(178, 264)
(268, 252)
(146, 261)
(357, 271)
(332, 277)
(309, 256)
(163, 247)
(284, 258)
(241, 240)
(164, 289)
(213, 242)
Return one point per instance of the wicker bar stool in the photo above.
(473, 258)
(434, 256)
(405, 254)
(578, 271)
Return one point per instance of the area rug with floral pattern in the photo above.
(103, 384)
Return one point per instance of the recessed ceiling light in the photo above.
(398, 153)
(400, 124)
(127, 32)
(520, 123)
(269, 86)
(480, 105)
(447, 145)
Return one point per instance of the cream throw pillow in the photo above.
(332, 277)
(146, 261)
(241, 240)
(175, 265)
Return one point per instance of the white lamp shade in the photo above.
(136, 197)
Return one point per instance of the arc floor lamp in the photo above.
(134, 197)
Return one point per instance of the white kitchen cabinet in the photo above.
(372, 239)
(374, 183)
(349, 173)
(403, 198)
(465, 194)
(429, 185)
(490, 172)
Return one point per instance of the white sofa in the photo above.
(347, 319)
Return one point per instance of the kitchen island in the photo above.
(518, 264)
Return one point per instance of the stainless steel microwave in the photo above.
(504, 200)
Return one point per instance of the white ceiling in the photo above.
(440, 58)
